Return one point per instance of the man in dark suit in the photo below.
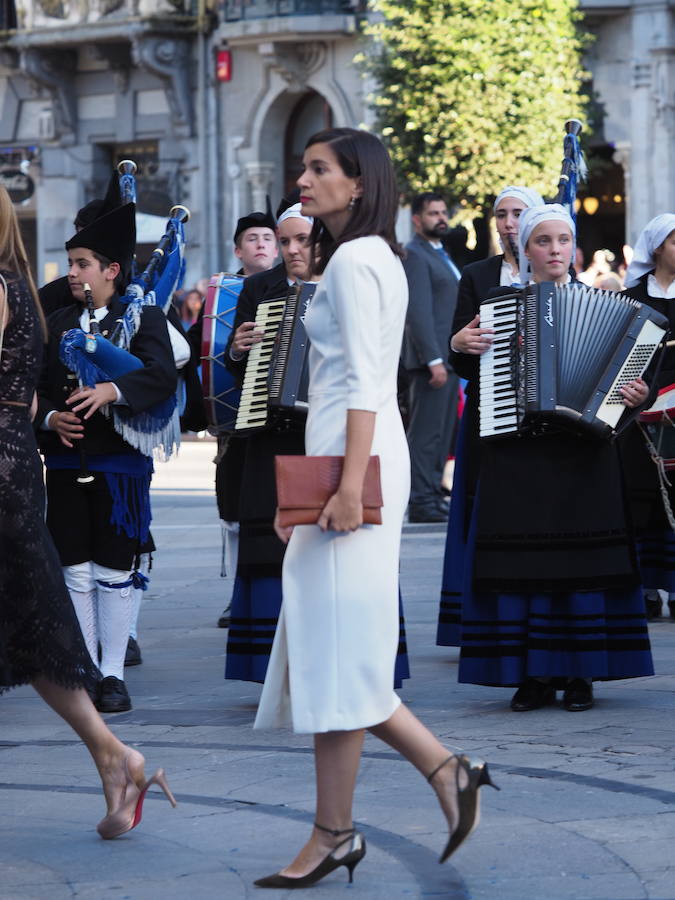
(432, 282)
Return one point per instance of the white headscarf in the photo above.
(651, 237)
(529, 219)
(526, 195)
(294, 212)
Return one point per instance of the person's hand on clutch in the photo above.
(343, 512)
(284, 534)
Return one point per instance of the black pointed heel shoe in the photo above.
(327, 865)
(468, 799)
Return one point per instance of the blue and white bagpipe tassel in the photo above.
(155, 286)
(155, 430)
(574, 168)
(162, 277)
(146, 432)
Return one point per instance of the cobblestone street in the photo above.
(586, 810)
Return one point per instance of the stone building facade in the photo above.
(292, 75)
(84, 83)
(632, 61)
(215, 98)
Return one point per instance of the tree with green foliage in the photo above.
(472, 94)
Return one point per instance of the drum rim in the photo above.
(212, 368)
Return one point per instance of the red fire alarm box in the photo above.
(223, 65)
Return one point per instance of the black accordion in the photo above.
(559, 356)
(276, 377)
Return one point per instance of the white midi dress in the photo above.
(334, 651)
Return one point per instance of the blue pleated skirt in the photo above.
(256, 603)
(656, 555)
(448, 630)
(507, 638)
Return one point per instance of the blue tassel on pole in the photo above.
(576, 172)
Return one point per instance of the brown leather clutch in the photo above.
(306, 483)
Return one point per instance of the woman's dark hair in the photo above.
(359, 154)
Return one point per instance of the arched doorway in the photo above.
(601, 218)
(310, 114)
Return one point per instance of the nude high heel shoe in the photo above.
(129, 812)
(468, 799)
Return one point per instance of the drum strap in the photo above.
(664, 482)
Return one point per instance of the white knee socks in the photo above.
(115, 610)
(85, 609)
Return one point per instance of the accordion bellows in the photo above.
(560, 354)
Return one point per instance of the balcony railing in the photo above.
(31, 15)
(236, 10)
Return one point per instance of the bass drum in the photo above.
(221, 395)
(659, 420)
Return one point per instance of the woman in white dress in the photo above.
(332, 662)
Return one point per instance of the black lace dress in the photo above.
(39, 632)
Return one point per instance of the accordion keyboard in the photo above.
(498, 402)
(253, 406)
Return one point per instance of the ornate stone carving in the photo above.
(259, 176)
(664, 87)
(110, 6)
(54, 13)
(621, 155)
(54, 8)
(294, 62)
(169, 58)
(54, 70)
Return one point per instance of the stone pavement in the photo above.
(586, 810)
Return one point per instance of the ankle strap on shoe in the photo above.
(439, 767)
(336, 832)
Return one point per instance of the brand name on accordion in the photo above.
(548, 318)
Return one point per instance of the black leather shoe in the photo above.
(113, 696)
(578, 695)
(671, 608)
(653, 604)
(224, 620)
(418, 514)
(133, 655)
(532, 695)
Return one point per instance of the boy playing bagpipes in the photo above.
(100, 418)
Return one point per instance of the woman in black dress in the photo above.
(477, 280)
(40, 639)
(551, 595)
(256, 598)
(651, 279)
